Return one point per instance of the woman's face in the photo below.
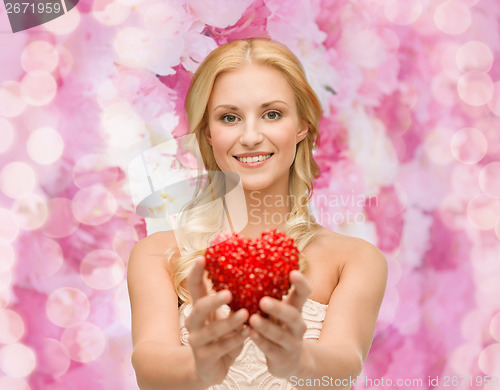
(254, 127)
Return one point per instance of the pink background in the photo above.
(410, 159)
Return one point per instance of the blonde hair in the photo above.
(201, 219)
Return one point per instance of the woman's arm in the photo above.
(162, 366)
(159, 359)
(350, 320)
(347, 332)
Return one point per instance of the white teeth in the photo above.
(253, 159)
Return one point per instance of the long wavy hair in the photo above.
(202, 218)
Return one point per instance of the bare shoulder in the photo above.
(156, 248)
(159, 240)
(350, 251)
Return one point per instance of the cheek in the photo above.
(220, 142)
(286, 141)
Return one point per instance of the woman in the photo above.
(254, 114)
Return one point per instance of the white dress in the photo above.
(249, 370)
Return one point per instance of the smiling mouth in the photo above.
(253, 159)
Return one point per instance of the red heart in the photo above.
(252, 269)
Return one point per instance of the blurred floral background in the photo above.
(410, 159)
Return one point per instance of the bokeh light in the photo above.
(11, 326)
(474, 56)
(85, 342)
(489, 126)
(94, 205)
(495, 327)
(38, 88)
(475, 88)
(463, 358)
(60, 222)
(8, 228)
(48, 257)
(6, 135)
(53, 358)
(11, 102)
(10, 383)
(465, 181)
(102, 269)
(474, 324)
(30, 211)
(7, 257)
(403, 13)
(67, 306)
(36, 117)
(489, 359)
(437, 147)
(45, 145)
(123, 242)
(468, 145)
(17, 360)
(17, 179)
(483, 212)
(5, 288)
(39, 55)
(94, 169)
(110, 12)
(452, 17)
(494, 103)
(64, 24)
(489, 179)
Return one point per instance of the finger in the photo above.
(218, 329)
(196, 285)
(301, 290)
(235, 352)
(205, 306)
(223, 347)
(267, 346)
(266, 329)
(289, 315)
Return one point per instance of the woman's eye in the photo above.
(273, 115)
(229, 118)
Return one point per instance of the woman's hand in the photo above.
(215, 338)
(280, 336)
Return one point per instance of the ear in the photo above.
(208, 135)
(303, 130)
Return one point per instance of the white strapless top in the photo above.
(249, 370)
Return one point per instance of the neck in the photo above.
(266, 209)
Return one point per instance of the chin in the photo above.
(254, 185)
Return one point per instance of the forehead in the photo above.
(252, 83)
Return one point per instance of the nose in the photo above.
(251, 134)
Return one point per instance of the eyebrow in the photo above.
(263, 105)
